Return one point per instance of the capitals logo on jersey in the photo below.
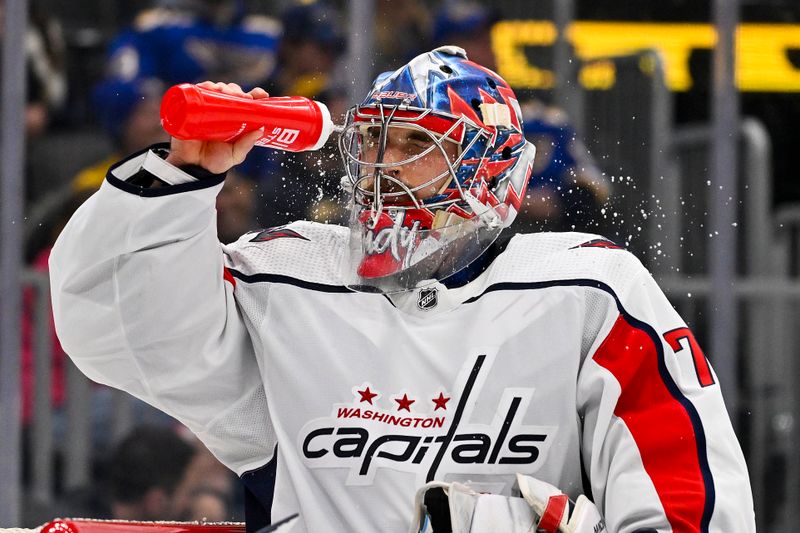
(428, 435)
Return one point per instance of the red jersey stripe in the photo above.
(227, 276)
(659, 423)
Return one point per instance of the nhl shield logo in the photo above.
(428, 298)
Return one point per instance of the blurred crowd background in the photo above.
(617, 96)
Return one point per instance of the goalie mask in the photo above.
(437, 166)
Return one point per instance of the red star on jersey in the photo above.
(367, 395)
(441, 402)
(404, 403)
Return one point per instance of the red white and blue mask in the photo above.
(437, 165)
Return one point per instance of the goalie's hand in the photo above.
(216, 156)
(556, 513)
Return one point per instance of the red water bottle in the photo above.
(292, 123)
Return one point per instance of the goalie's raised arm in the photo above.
(217, 156)
(140, 300)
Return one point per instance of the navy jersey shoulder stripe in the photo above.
(288, 280)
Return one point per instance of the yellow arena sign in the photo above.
(762, 61)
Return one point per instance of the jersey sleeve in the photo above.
(658, 446)
(142, 303)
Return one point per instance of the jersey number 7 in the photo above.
(701, 366)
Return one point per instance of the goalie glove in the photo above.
(452, 507)
(556, 512)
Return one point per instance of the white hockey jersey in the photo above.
(563, 360)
